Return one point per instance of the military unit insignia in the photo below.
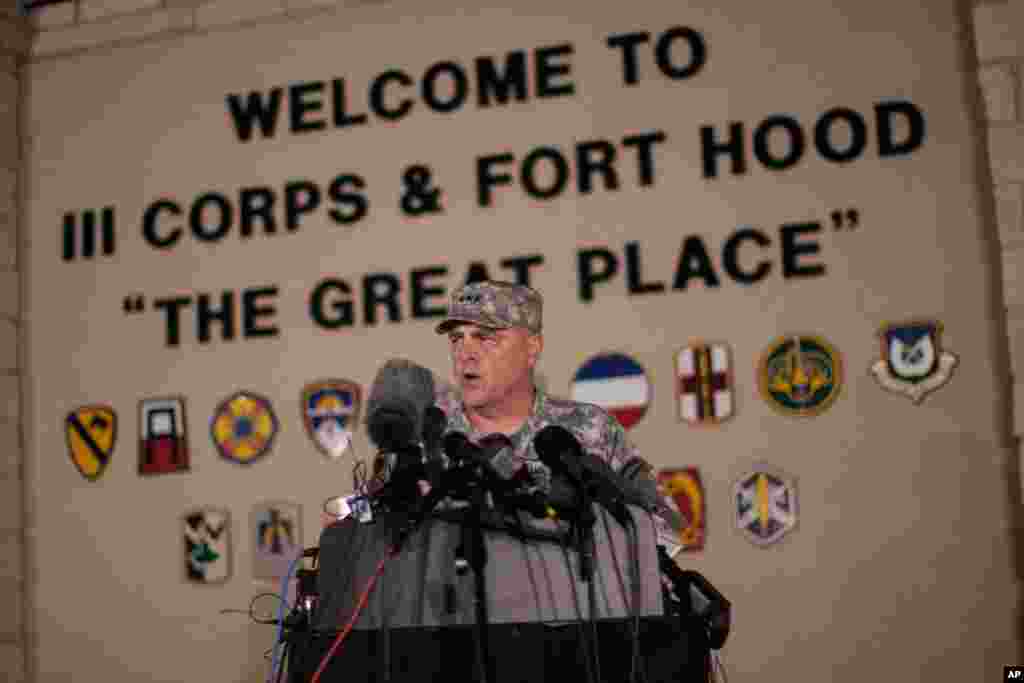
(913, 362)
(765, 500)
(163, 444)
(207, 533)
(244, 427)
(91, 432)
(705, 384)
(330, 411)
(682, 498)
(616, 383)
(277, 533)
(800, 375)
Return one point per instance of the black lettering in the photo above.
(694, 262)
(628, 43)
(256, 202)
(420, 292)
(730, 256)
(459, 81)
(644, 158)
(698, 52)
(711, 148)
(884, 113)
(207, 314)
(586, 164)
(223, 213)
(526, 173)
(342, 313)
(381, 289)
(300, 196)
(634, 276)
(823, 135)
(340, 98)
(252, 312)
(299, 105)
(795, 144)
(521, 265)
(357, 201)
(477, 272)
(485, 179)
(172, 317)
(252, 110)
(377, 95)
(88, 233)
(792, 250)
(492, 83)
(149, 226)
(588, 275)
(107, 229)
(547, 69)
(69, 233)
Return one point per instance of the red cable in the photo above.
(351, 622)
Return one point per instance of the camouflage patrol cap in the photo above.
(500, 305)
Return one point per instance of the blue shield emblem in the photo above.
(913, 362)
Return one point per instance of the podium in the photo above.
(418, 623)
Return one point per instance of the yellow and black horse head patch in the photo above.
(91, 433)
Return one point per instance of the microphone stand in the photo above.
(473, 549)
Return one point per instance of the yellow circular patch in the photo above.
(243, 427)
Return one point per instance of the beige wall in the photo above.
(903, 560)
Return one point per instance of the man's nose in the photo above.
(467, 350)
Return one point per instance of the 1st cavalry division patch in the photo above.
(207, 535)
(913, 362)
(243, 427)
(330, 411)
(91, 432)
(800, 375)
(705, 383)
(765, 500)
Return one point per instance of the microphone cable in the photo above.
(360, 605)
(636, 589)
(277, 659)
(581, 631)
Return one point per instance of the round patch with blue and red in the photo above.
(616, 383)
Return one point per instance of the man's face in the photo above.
(491, 365)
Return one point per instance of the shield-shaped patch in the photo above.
(682, 495)
(243, 427)
(91, 432)
(913, 362)
(276, 531)
(207, 534)
(765, 504)
(330, 411)
(705, 384)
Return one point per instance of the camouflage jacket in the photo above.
(599, 434)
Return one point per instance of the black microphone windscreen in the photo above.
(399, 397)
(557, 448)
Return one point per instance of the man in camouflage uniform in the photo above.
(494, 329)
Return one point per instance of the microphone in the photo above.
(503, 475)
(563, 454)
(399, 398)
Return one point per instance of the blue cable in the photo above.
(280, 619)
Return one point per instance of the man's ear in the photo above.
(534, 346)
